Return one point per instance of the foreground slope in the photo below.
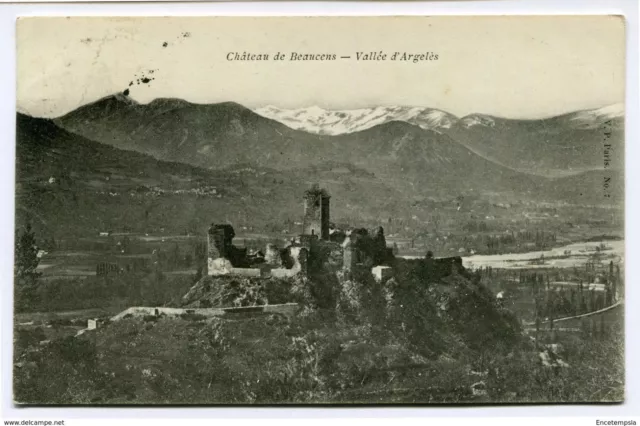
(412, 339)
(372, 336)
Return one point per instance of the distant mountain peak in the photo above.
(105, 105)
(616, 109)
(609, 111)
(120, 97)
(594, 118)
(115, 98)
(315, 119)
(477, 120)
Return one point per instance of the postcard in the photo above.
(319, 210)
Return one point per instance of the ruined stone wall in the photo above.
(288, 309)
(430, 269)
(382, 273)
(212, 249)
(249, 272)
(349, 256)
(219, 266)
(325, 218)
(300, 259)
(272, 255)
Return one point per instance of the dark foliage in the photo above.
(25, 274)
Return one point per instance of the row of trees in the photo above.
(547, 295)
(26, 276)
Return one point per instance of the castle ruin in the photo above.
(352, 251)
(357, 248)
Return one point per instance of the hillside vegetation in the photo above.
(416, 338)
(373, 335)
(69, 185)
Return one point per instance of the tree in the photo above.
(25, 264)
(26, 256)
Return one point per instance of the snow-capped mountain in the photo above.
(335, 122)
(584, 119)
(477, 120)
(223, 134)
(593, 118)
(548, 146)
(330, 122)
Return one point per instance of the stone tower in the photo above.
(219, 241)
(316, 213)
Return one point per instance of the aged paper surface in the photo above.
(315, 210)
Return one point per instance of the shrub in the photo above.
(190, 316)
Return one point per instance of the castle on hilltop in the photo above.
(355, 248)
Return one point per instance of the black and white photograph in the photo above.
(319, 210)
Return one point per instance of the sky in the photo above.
(516, 67)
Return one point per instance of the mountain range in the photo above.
(336, 122)
(561, 145)
(408, 157)
(70, 185)
(217, 135)
(258, 166)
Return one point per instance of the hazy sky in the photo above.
(506, 66)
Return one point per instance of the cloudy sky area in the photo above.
(517, 67)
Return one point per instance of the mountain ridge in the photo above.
(334, 122)
(215, 135)
(313, 118)
(73, 185)
(218, 135)
(68, 185)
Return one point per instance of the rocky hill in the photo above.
(409, 333)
